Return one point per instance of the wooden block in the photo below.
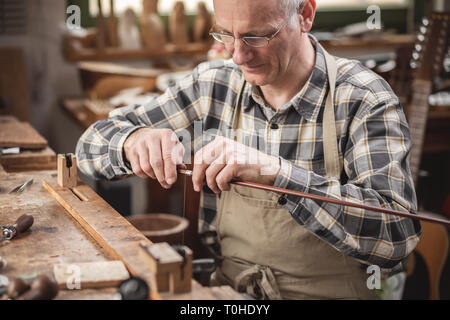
(67, 171)
(20, 134)
(180, 281)
(172, 272)
(29, 160)
(101, 274)
(162, 260)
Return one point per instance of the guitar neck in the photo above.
(418, 122)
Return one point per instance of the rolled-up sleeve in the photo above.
(100, 148)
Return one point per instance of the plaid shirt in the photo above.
(374, 142)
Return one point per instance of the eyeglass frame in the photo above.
(268, 39)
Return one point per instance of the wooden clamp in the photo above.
(172, 271)
(67, 170)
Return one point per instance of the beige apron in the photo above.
(267, 254)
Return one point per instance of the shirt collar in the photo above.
(309, 100)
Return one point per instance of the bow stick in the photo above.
(331, 200)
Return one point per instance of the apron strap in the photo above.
(330, 146)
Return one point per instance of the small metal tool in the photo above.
(3, 263)
(14, 150)
(22, 186)
(22, 224)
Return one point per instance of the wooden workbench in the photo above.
(35, 153)
(56, 237)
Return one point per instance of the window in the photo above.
(164, 6)
(358, 4)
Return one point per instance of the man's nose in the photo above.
(241, 52)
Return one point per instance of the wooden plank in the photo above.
(117, 236)
(21, 134)
(101, 274)
(169, 50)
(29, 160)
(111, 231)
(54, 238)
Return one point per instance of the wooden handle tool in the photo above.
(22, 224)
(42, 288)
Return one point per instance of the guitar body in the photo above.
(427, 263)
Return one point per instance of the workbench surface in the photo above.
(56, 237)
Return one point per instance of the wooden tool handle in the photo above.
(23, 223)
(17, 287)
(42, 288)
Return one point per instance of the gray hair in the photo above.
(288, 8)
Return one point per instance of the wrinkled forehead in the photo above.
(242, 15)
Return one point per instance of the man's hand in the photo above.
(223, 159)
(155, 153)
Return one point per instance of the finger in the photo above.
(224, 178)
(178, 152)
(212, 172)
(135, 166)
(157, 161)
(202, 159)
(170, 153)
(144, 162)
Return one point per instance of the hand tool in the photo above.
(22, 186)
(14, 150)
(3, 263)
(43, 287)
(22, 224)
(16, 287)
(330, 200)
(134, 288)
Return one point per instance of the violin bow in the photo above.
(331, 200)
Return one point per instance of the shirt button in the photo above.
(282, 201)
(274, 126)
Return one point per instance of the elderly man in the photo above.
(286, 114)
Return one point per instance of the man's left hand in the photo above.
(222, 160)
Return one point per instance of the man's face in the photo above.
(261, 66)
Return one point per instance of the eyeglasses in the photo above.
(256, 42)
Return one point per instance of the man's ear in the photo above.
(307, 12)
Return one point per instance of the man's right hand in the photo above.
(155, 153)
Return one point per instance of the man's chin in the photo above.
(255, 79)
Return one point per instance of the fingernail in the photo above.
(170, 181)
